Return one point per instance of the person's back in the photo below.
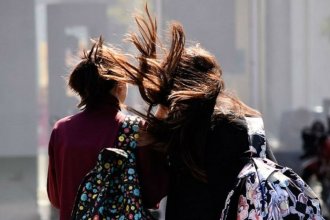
(76, 140)
(73, 149)
(190, 198)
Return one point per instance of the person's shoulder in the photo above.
(65, 121)
(228, 122)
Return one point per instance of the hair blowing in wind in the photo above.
(186, 80)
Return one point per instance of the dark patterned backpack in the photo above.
(266, 190)
(111, 189)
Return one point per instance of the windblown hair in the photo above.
(86, 79)
(188, 81)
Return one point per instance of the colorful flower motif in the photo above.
(123, 200)
(121, 138)
(272, 192)
(83, 197)
(136, 192)
(107, 165)
(133, 144)
(101, 209)
(254, 215)
(135, 128)
(243, 208)
(131, 171)
(137, 216)
(88, 185)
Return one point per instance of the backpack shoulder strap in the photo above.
(257, 149)
(257, 136)
(128, 133)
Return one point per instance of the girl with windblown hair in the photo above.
(198, 125)
(76, 140)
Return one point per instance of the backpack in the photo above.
(111, 189)
(266, 190)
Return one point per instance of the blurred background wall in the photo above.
(274, 54)
(18, 97)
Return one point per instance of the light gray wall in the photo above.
(212, 24)
(278, 75)
(18, 111)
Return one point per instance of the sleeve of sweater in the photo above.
(52, 185)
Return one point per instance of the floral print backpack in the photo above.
(268, 191)
(111, 190)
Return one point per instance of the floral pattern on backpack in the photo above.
(268, 191)
(111, 189)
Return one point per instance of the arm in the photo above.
(153, 176)
(52, 186)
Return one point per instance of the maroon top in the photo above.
(73, 148)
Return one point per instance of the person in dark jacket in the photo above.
(199, 126)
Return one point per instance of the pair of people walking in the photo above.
(189, 149)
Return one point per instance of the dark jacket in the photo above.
(192, 199)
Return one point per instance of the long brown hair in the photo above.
(188, 81)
